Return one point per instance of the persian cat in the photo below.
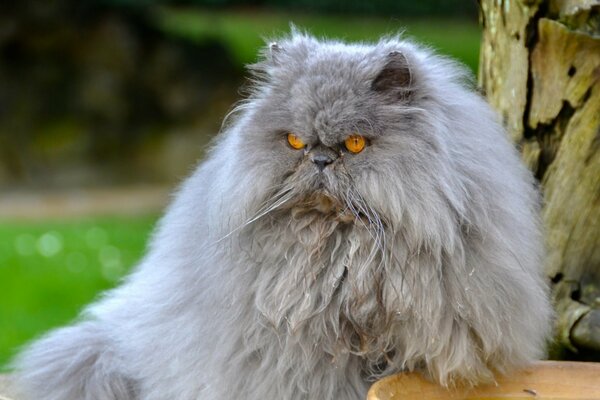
(363, 213)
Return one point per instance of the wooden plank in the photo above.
(546, 380)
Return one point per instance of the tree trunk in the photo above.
(540, 69)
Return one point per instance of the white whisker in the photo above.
(284, 197)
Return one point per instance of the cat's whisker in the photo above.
(237, 109)
(374, 235)
(371, 214)
(278, 204)
(284, 197)
(282, 190)
(356, 201)
(378, 236)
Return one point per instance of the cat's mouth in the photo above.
(323, 202)
(320, 193)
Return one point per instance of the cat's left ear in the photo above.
(395, 78)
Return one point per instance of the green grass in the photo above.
(242, 32)
(50, 270)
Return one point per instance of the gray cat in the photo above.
(363, 214)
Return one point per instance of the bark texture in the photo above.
(540, 69)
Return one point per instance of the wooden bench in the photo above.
(546, 380)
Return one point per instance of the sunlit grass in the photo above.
(242, 32)
(50, 270)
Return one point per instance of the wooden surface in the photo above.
(547, 380)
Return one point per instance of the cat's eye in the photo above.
(355, 143)
(295, 141)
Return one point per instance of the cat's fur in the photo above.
(268, 279)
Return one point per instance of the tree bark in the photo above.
(540, 69)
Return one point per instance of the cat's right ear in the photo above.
(274, 53)
(396, 78)
(271, 57)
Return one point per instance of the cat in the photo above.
(362, 213)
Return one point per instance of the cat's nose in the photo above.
(322, 160)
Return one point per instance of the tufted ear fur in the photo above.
(395, 78)
(274, 52)
(271, 59)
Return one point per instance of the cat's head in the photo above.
(353, 131)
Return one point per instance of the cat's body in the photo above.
(275, 277)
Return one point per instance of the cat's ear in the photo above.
(274, 51)
(395, 78)
(271, 57)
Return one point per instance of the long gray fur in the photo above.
(267, 279)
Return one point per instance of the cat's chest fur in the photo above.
(318, 275)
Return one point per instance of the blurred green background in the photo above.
(126, 94)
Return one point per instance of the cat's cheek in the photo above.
(354, 162)
(287, 162)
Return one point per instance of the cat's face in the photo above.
(362, 145)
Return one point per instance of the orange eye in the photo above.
(295, 141)
(355, 143)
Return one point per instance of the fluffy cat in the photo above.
(363, 214)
